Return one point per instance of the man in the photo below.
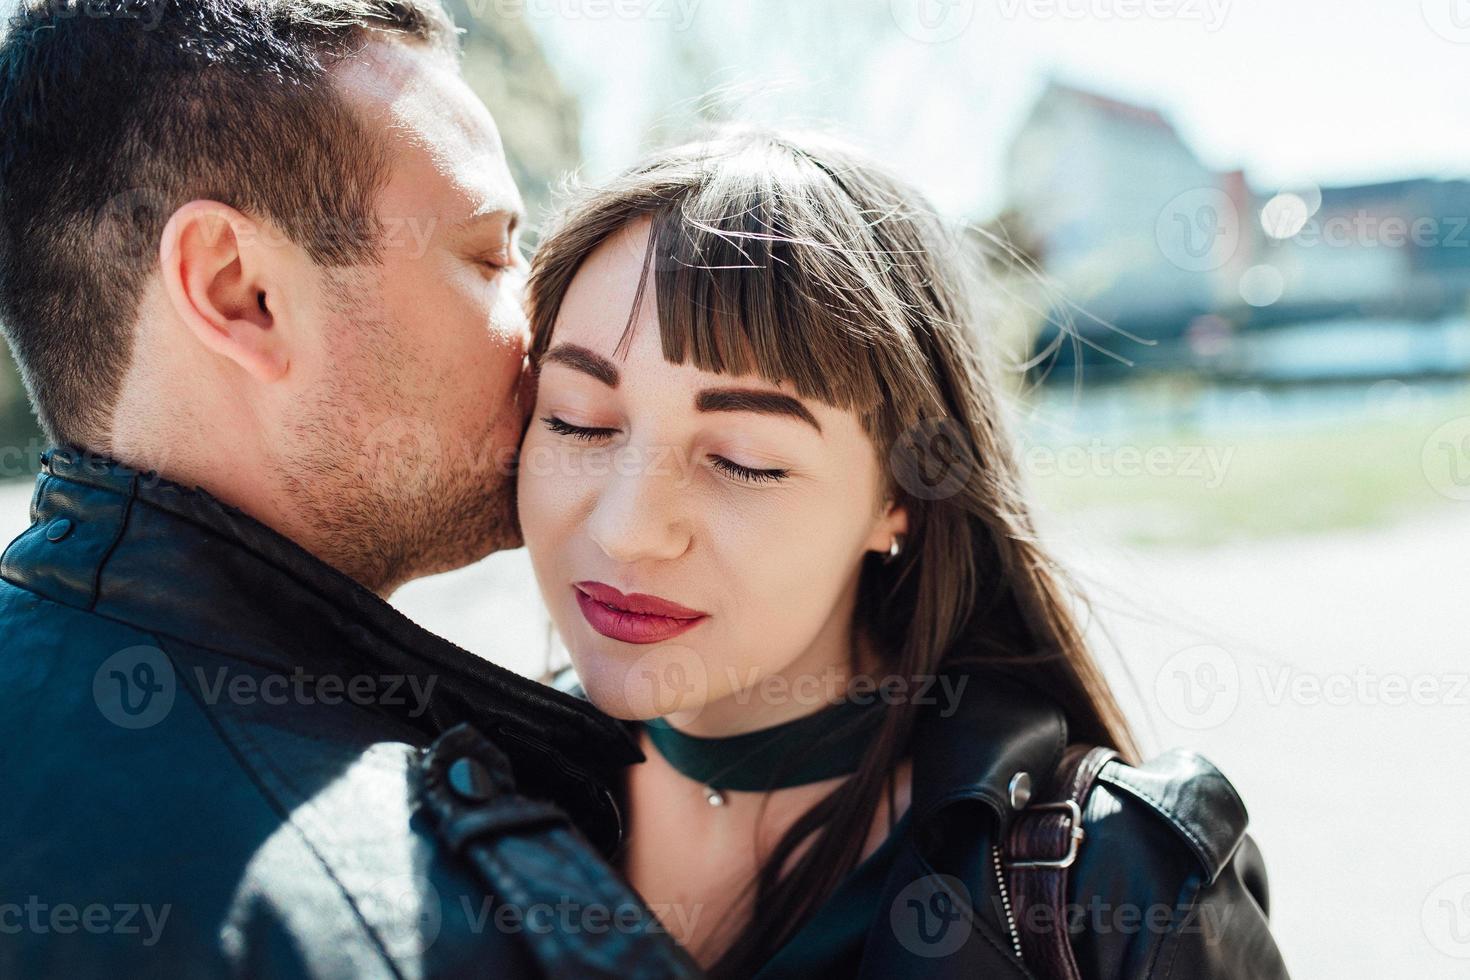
(267, 249)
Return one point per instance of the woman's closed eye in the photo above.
(730, 468)
(585, 433)
(747, 473)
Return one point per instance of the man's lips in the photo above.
(633, 618)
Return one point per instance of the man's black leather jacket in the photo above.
(223, 758)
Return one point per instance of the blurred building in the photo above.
(1144, 241)
(1090, 177)
(1400, 248)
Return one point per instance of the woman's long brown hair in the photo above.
(799, 261)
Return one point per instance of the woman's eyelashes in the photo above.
(747, 473)
(584, 433)
(729, 467)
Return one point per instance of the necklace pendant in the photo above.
(713, 796)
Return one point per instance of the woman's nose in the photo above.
(639, 516)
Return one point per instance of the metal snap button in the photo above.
(471, 779)
(1020, 790)
(58, 529)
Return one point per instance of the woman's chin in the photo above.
(642, 687)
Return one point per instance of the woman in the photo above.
(779, 528)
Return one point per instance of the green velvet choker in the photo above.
(827, 743)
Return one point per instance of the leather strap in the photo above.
(537, 868)
(1039, 849)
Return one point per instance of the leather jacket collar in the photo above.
(970, 749)
(179, 562)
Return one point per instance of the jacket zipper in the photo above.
(1005, 900)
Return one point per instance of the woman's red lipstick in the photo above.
(633, 618)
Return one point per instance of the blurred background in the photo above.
(1241, 396)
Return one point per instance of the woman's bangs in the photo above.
(742, 288)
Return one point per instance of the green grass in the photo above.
(1355, 473)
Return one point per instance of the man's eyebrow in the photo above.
(512, 215)
(753, 400)
(580, 358)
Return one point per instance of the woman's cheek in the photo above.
(537, 491)
(766, 559)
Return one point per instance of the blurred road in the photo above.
(1325, 675)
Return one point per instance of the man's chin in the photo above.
(462, 529)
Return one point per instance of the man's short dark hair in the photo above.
(115, 113)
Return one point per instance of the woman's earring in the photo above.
(895, 548)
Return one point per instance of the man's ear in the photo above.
(220, 283)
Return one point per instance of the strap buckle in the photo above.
(1074, 813)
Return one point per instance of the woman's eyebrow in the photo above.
(753, 400)
(580, 358)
